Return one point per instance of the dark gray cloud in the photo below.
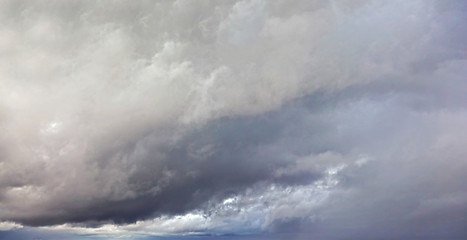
(333, 120)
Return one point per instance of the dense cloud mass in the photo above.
(324, 119)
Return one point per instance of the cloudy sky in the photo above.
(251, 119)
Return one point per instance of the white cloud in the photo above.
(105, 106)
(5, 226)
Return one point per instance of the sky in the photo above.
(251, 119)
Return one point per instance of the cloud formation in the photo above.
(337, 119)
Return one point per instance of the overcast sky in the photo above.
(252, 119)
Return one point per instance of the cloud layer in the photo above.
(338, 119)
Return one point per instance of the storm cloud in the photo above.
(266, 119)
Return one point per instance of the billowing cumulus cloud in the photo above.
(269, 119)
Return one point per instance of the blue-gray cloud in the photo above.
(334, 120)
